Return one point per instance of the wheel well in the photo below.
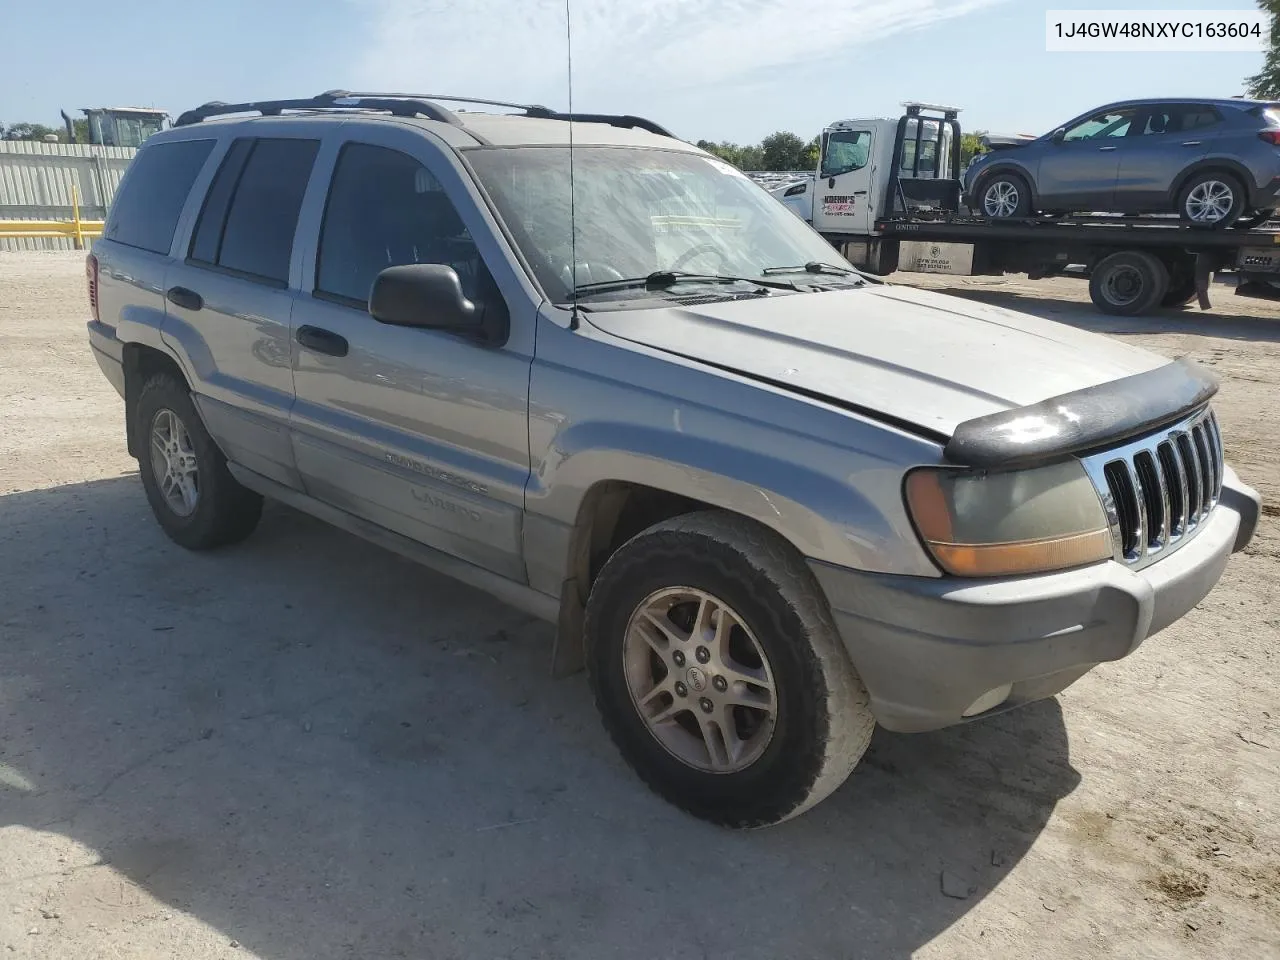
(140, 364)
(996, 169)
(1216, 165)
(611, 513)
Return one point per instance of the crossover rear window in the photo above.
(146, 210)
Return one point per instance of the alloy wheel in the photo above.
(1001, 199)
(700, 680)
(1210, 201)
(173, 462)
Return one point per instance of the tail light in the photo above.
(1270, 136)
(91, 277)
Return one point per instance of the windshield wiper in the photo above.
(664, 279)
(815, 266)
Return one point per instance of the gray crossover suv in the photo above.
(1213, 162)
(767, 501)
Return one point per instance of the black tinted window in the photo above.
(208, 232)
(1193, 118)
(251, 211)
(386, 209)
(146, 210)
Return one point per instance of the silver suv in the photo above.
(767, 501)
(1212, 162)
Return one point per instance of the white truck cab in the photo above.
(860, 161)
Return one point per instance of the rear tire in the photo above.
(657, 658)
(1128, 283)
(1004, 196)
(191, 492)
(1211, 198)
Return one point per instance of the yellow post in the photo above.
(75, 216)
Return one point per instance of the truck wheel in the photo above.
(1128, 283)
(1182, 289)
(719, 674)
(191, 492)
(1211, 199)
(1005, 196)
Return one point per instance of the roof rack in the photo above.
(408, 105)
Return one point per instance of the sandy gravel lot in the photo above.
(304, 747)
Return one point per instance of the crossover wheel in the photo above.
(1004, 196)
(1211, 199)
(191, 492)
(719, 674)
(1128, 283)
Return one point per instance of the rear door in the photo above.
(1078, 173)
(420, 431)
(845, 187)
(229, 299)
(1168, 137)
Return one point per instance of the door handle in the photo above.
(322, 341)
(182, 297)
(1106, 148)
(859, 193)
(1192, 143)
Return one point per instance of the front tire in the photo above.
(719, 674)
(1004, 196)
(1128, 283)
(191, 492)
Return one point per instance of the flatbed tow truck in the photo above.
(888, 195)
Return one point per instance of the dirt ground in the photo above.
(304, 747)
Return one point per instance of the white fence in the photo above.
(36, 181)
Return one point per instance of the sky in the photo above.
(716, 69)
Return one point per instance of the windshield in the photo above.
(640, 211)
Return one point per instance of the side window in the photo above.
(846, 151)
(146, 210)
(251, 211)
(385, 209)
(1112, 123)
(1197, 117)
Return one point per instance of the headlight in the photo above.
(979, 524)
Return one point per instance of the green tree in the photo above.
(1265, 85)
(970, 146)
(811, 153)
(782, 151)
(27, 131)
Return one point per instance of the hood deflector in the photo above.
(1083, 419)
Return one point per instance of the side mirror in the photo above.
(424, 295)
(1059, 135)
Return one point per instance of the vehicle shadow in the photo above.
(322, 750)
(1220, 321)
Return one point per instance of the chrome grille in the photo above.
(1158, 490)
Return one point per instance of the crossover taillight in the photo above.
(1271, 136)
(91, 277)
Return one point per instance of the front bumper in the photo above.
(109, 352)
(927, 649)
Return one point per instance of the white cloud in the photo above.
(623, 51)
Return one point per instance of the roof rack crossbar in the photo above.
(334, 100)
(410, 105)
(614, 120)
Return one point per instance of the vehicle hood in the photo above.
(995, 141)
(909, 355)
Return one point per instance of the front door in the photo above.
(1077, 173)
(422, 432)
(845, 189)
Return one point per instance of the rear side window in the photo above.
(146, 210)
(251, 211)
